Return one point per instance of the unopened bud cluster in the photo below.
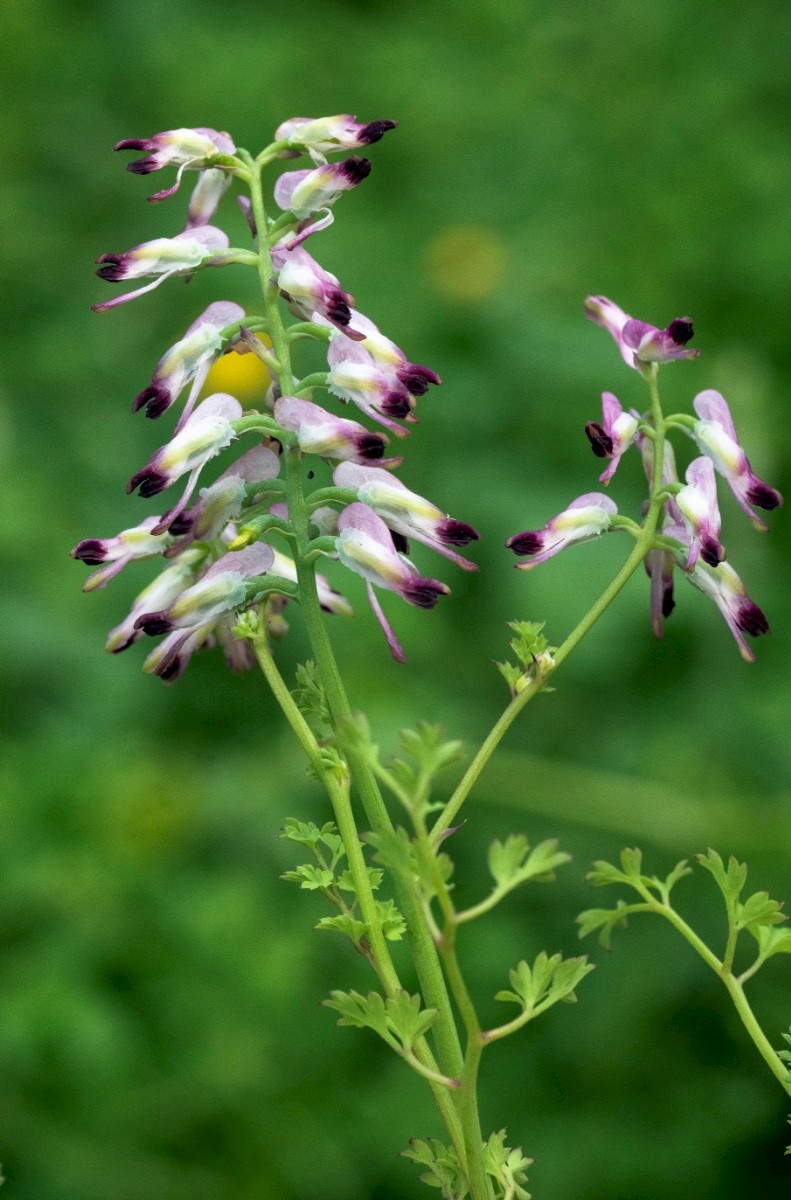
(215, 539)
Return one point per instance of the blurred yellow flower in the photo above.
(241, 375)
(465, 262)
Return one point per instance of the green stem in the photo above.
(760, 1040)
(380, 954)
(422, 947)
(641, 547)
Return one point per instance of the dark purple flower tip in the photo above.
(750, 619)
(113, 268)
(763, 496)
(601, 442)
(374, 131)
(681, 330)
(370, 446)
(424, 593)
(135, 144)
(395, 404)
(143, 166)
(156, 398)
(711, 551)
(400, 542)
(416, 379)
(149, 481)
(337, 308)
(154, 623)
(91, 551)
(182, 524)
(527, 543)
(668, 603)
(456, 533)
(355, 169)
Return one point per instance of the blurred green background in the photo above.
(160, 1028)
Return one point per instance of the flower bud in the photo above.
(585, 518)
(141, 541)
(225, 586)
(162, 258)
(613, 436)
(319, 432)
(324, 135)
(697, 503)
(189, 360)
(305, 192)
(182, 148)
(638, 342)
(716, 437)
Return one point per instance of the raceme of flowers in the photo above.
(217, 540)
(687, 522)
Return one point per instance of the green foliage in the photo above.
(443, 1169)
(310, 877)
(399, 1020)
(310, 696)
(758, 913)
(512, 862)
(507, 1167)
(630, 873)
(537, 988)
(533, 656)
(392, 923)
(425, 755)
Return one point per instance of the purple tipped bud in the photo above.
(601, 443)
(680, 330)
(585, 518)
(150, 482)
(155, 399)
(374, 131)
(91, 551)
(154, 623)
(456, 533)
(325, 135)
(527, 543)
(750, 619)
(716, 436)
(417, 379)
(637, 341)
(424, 593)
(763, 496)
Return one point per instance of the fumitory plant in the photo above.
(239, 551)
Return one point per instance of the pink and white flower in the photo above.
(322, 433)
(112, 554)
(187, 149)
(716, 437)
(305, 192)
(162, 258)
(586, 517)
(325, 135)
(231, 583)
(614, 435)
(638, 342)
(697, 503)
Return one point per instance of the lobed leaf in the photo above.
(310, 877)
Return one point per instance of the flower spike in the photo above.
(355, 377)
(638, 342)
(716, 437)
(365, 546)
(307, 288)
(406, 513)
(613, 436)
(162, 258)
(189, 360)
(585, 518)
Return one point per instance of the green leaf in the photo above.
(514, 676)
(508, 1167)
(346, 883)
(679, 871)
(309, 694)
(759, 910)
(528, 641)
(398, 1020)
(730, 880)
(605, 920)
(771, 940)
(426, 754)
(444, 1170)
(512, 863)
(546, 982)
(305, 832)
(392, 923)
(346, 924)
(393, 850)
(310, 877)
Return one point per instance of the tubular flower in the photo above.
(305, 192)
(716, 437)
(206, 196)
(365, 546)
(585, 518)
(406, 513)
(319, 432)
(222, 501)
(141, 541)
(183, 148)
(170, 659)
(639, 342)
(307, 288)
(230, 583)
(162, 258)
(205, 434)
(391, 359)
(169, 584)
(722, 585)
(697, 503)
(355, 377)
(613, 436)
(325, 135)
(188, 361)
